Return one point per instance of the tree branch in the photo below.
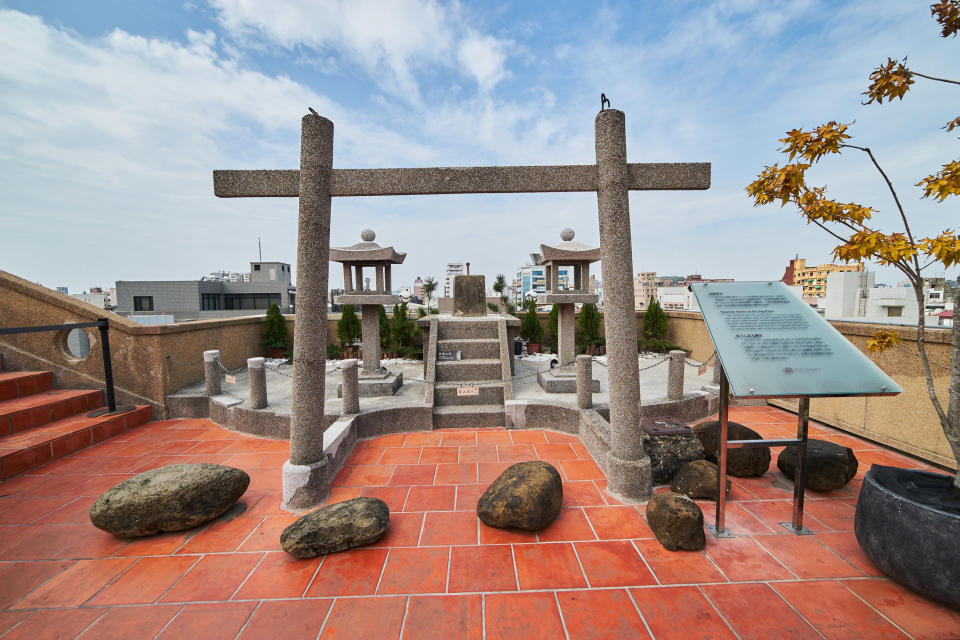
(893, 192)
(933, 78)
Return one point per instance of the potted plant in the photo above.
(348, 331)
(907, 522)
(276, 338)
(531, 330)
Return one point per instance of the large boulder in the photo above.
(829, 465)
(676, 521)
(337, 527)
(527, 495)
(697, 479)
(741, 463)
(171, 498)
(670, 452)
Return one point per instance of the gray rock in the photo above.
(171, 498)
(337, 527)
(527, 495)
(741, 463)
(697, 479)
(670, 452)
(676, 521)
(829, 465)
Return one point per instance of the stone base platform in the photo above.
(377, 384)
(563, 380)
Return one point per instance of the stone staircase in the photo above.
(39, 423)
(481, 348)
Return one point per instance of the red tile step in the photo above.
(17, 384)
(20, 414)
(24, 450)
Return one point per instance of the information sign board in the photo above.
(771, 343)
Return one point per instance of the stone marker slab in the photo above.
(469, 296)
(171, 498)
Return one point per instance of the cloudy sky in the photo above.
(113, 115)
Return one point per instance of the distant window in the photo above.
(894, 312)
(256, 267)
(935, 295)
(143, 303)
(251, 301)
(210, 302)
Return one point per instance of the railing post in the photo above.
(256, 368)
(211, 372)
(675, 375)
(104, 326)
(349, 386)
(584, 381)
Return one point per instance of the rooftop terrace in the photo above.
(596, 572)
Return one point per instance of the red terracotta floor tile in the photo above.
(483, 568)
(122, 623)
(415, 571)
(494, 437)
(458, 439)
(266, 537)
(531, 616)
(16, 580)
(287, 619)
(38, 542)
(279, 575)
(341, 494)
(426, 439)
(33, 508)
(91, 542)
(571, 524)
(516, 453)
(922, 619)
(367, 455)
(743, 560)
(845, 545)
(439, 454)
(495, 535)
(218, 621)
(76, 584)
(393, 496)
(468, 495)
(76, 512)
(456, 473)
(444, 617)
(489, 471)
(736, 519)
(836, 612)
(555, 437)
(773, 512)
(678, 567)
(680, 613)
(602, 615)
(9, 619)
(213, 577)
(363, 618)
(432, 498)
(349, 573)
(407, 474)
(63, 623)
(479, 453)
(404, 531)
(392, 440)
(836, 514)
(445, 528)
(618, 523)
(547, 566)
(363, 475)
(807, 557)
(221, 535)
(555, 451)
(581, 470)
(755, 611)
(582, 493)
(521, 436)
(613, 563)
(145, 581)
(160, 544)
(400, 455)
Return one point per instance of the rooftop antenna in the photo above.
(260, 248)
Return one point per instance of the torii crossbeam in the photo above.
(306, 476)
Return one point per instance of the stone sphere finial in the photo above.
(566, 234)
(367, 235)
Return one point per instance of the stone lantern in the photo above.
(578, 256)
(369, 255)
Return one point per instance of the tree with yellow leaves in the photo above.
(850, 223)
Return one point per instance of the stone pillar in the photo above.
(378, 271)
(347, 280)
(350, 387)
(306, 475)
(577, 276)
(370, 326)
(388, 286)
(548, 276)
(717, 369)
(211, 372)
(358, 272)
(257, 370)
(585, 277)
(628, 467)
(366, 284)
(555, 278)
(566, 327)
(584, 381)
(675, 374)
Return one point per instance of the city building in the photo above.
(453, 269)
(814, 279)
(270, 283)
(418, 288)
(531, 280)
(855, 296)
(97, 297)
(228, 276)
(644, 288)
(677, 299)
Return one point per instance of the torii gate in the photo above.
(306, 477)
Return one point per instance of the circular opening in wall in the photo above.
(78, 344)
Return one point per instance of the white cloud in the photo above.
(483, 57)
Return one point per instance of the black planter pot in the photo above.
(915, 544)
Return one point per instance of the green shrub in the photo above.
(384, 327)
(658, 345)
(654, 320)
(588, 325)
(553, 323)
(275, 334)
(334, 352)
(403, 330)
(530, 329)
(348, 327)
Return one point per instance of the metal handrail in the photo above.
(104, 326)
